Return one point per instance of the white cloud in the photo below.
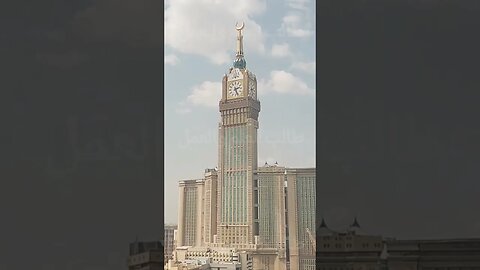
(207, 94)
(183, 108)
(299, 20)
(284, 83)
(171, 59)
(207, 27)
(308, 67)
(293, 26)
(281, 50)
(298, 4)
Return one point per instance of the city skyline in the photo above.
(280, 49)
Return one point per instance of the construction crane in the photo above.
(312, 240)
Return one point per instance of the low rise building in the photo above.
(353, 249)
(188, 257)
(145, 256)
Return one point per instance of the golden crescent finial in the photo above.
(239, 27)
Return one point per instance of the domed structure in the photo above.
(240, 62)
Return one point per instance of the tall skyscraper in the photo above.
(239, 108)
(271, 195)
(272, 217)
(301, 205)
(286, 205)
(169, 240)
(210, 206)
(240, 208)
(190, 216)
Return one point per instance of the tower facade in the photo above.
(190, 208)
(301, 204)
(210, 206)
(169, 241)
(237, 224)
(264, 217)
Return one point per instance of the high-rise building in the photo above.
(301, 204)
(169, 241)
(237, 147)
(190, 216)
(210, 206)
(286, 214)
(271, 216)
(242, 207)
(271, 195)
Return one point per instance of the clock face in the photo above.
(252, 89)
(235, 89)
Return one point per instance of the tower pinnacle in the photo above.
(239, 60)
(239, 38)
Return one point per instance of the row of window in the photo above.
(234, 202)
(190, 215)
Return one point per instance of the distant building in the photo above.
(169, 241)
(439, 254)
(353, 249)
(145, 256)
(208, 258)
(190, 212)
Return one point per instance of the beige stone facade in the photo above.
(239, 205)
(210, 206)
(190, 218)
(169, 240)
(301, 205)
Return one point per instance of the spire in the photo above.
(355, 223)
(239, 39)
(323, 229)
(355, 228)
(323, 224)
(239, 60)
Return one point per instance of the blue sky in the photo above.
(279, 38)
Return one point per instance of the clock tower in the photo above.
(237, 213)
